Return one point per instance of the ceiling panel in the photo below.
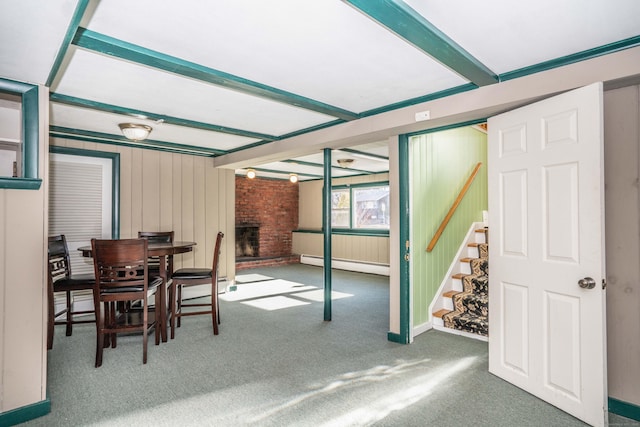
(98, 121)
(324, 50)
(32, 32)
(506, 36)
(101, 78)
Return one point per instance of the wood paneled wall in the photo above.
(374, 249)
(440, 165)
(23, 273)
(167, 191)
(622, 234)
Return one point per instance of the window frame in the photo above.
(357, 230)
(30, 135)
(115, 178)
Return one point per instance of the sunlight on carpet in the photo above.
(275, 303)
(253, 277)
(277, 294)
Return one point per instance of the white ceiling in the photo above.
(220, 76)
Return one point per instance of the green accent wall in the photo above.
(440, 164)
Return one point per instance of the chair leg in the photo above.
(172, 303)
(69, 316)
(214, 304)
(217, 302)
(159, 307)
(100, 338)
(179, 311)
(145, 322)
(112, 323)
(50, 323)
(163, 313)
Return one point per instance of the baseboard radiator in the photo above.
(349, 265)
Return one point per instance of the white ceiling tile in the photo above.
(506, 36)
(32, 32)
(100, 78)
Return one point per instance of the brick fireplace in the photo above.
(266, 215)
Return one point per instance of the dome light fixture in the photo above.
(345, 163)
(251, 173)
(135, 131)
(293, 177)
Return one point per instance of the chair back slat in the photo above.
(216, 254)
(158, 237)
(120, 263)
(58, 256)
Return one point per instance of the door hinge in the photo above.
(604, 283)
(407, 245)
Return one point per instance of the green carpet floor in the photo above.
(277, 363)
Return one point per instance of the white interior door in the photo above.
(546, 228)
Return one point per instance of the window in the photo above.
(19, 128)
(83, 198)
(361, 207)
(340, 208)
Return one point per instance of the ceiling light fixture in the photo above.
(251, 173)
(135, 131)
(345, 163)
(293, 177)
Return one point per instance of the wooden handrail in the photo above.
(446, 219)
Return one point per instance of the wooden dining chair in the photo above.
(154, 269)
(122, 275)
(196, 276)
(60, 279)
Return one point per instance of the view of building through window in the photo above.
(360, 207)
(340, 208)
(371, 207)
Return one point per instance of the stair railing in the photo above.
(453, 208)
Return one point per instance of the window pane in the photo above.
(371, 206)
(340, 208)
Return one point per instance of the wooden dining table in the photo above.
(162, 250)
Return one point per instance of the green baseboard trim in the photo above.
(25, 413)
(625, 409)
(393, 337)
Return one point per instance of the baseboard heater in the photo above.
(350, 265)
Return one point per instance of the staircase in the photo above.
(464, 307)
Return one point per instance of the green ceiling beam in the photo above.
(364, 153)
(279, 172)
(109, 108)
(573, 58)
(151, 144)
(409, 25)
(77, 17)
(106, 45)
(320, 165)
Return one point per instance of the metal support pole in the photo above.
(326, 227)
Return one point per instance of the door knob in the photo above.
(587, 283)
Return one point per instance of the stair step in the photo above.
(458, 276)
(440, 313)
(449, 294)
(468, 323)
(471, 304)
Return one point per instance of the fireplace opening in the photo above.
(247, 241)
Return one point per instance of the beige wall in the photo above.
(622, 218)
(371, 249)
(165, 191)
(22, 285)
